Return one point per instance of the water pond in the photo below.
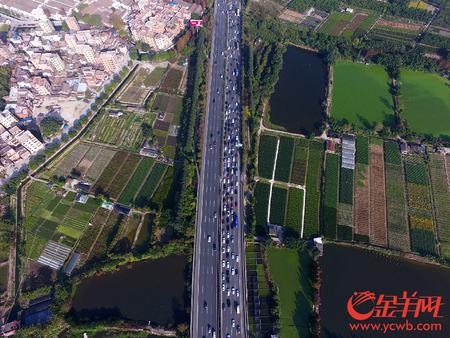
(346, 270)
(296, 104)
(152, 290)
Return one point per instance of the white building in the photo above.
(8, 120)
(46, 26)
(29, 141)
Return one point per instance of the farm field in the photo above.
(278, 205)
(377, 222)
(289, 271)
(313, 182)
(171, 81)
(50, 217)
(330, 196)
(421, 226)
(140, 85)
(395, 201)
(259, 289)
(300, 159)
(294, 211)
(441, 196)
(336, 23)
(284, 159)
(141, 172)
(426, 92)
(346, 186)
(361, 208)
(124, 132)
(71, 160)
(143, 198)
(266, 155)
(360, 94)
(262, 191)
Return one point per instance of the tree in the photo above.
(146, 130)
(51, 125)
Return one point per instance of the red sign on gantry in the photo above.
(196, 23)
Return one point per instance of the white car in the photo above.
(223, 287)
(232, 290)
(237, 258)
(233, 323)
(228, 264)
(209, 239)
(223, 263)
(228, 292)
(232, 271)
(232, 255)
(237, 292)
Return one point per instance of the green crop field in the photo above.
(331, 25)
(425, 98)
(110, 172)
(278, 205)
(136, 180)
(392, 153)
(124, 131)
(330, 196)
(266, 155)
(396, 210)
(346, 186)
(294, 210)
(150, 184)
(284, 158)
(361, 94)
(362, 150)
(441, 197)
(262, 191)
(313, 178)
(121, 179)
(300, 160)
(51, 217)
(289, 271)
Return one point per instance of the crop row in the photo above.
(313, 178)
(346, 186)
(416, 171)
(150, 184)
(136, 180)
(377, 222)
(294, 210)
(392, 153)
(418, 197)
(441, 197)
(299, 165)
(262, 191)
(110, 172)
(330, 195)
(123, 175)
(266, 155)
(284, 159)
(278, 205)
(362, 150)
(423, 241)
(361, 206)
(396, 211)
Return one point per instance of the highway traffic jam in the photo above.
(230, 232)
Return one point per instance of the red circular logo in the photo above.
(357, 306)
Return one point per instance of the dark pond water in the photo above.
(151, 290)
(346, 270)
(296, 103)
